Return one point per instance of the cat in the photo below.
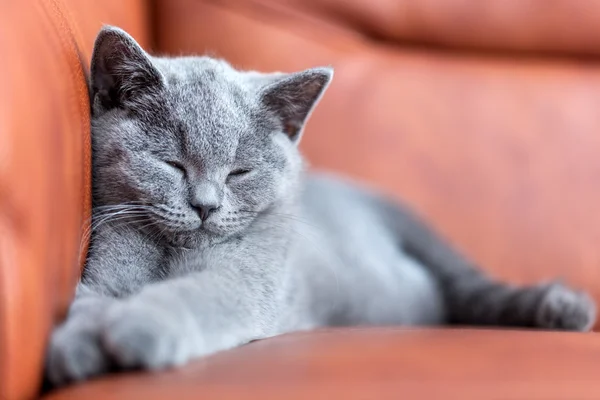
(208, 233)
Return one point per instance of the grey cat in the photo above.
(207, 234)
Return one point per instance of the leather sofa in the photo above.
(484, 116)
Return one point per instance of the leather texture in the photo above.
(361, 364)
(44, 170)
(481, 115)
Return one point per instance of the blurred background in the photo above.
(484, 116)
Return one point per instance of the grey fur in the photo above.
(282, 251)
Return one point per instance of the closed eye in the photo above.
(238, 173)
(176, 165)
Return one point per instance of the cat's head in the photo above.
(192, 144)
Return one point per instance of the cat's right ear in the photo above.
(121, 71)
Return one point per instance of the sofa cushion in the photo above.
(376, 363)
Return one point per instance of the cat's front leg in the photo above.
(171, 322)
(121, 263)
(75, 352)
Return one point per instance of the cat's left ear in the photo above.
(292, 97)
(122, 73)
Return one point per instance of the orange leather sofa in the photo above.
(484, 115)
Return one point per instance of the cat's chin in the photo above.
(185, 240)
(202, 237)
(218, 229)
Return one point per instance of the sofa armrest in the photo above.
(45, 192)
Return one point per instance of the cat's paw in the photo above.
(563, 308)
(137, 335)
(75, 352)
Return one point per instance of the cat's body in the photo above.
(347, 267)
(208, 234)
(330, 269)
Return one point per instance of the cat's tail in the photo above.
(473, 297)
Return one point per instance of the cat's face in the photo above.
(190, 146)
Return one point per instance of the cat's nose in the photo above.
(206, 198)
(203, 209)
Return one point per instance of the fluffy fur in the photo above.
(207, 234)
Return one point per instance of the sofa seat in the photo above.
(376, 363)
